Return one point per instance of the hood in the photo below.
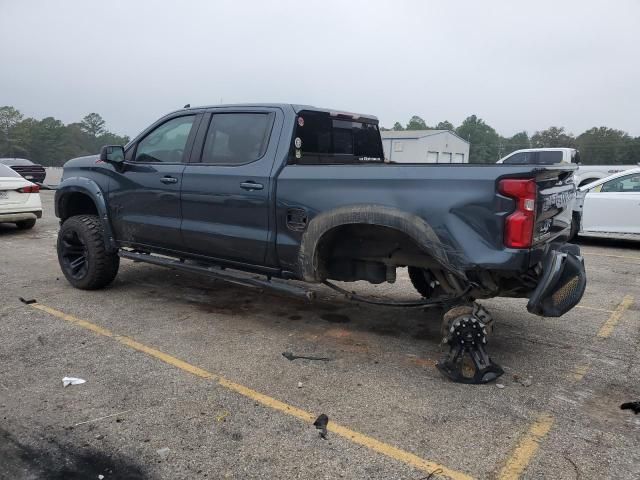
(87, 161)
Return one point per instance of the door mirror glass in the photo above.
(112, 153)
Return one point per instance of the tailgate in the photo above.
(554, 205)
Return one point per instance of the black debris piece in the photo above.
(27, 302)
(290, 356)
(321, 424)
(635, 406)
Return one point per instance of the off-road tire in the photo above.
(101, 265)
(26, 224)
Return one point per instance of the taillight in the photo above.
(518, 227)
(30, 189)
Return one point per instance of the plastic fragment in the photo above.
(66, 381)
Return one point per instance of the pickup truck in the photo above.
(301, 193)
(584, 175)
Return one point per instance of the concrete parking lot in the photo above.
(185, 378)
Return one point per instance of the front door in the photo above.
(226, 190)
(613, 206)
(144, 196)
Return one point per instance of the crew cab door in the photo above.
(613, 206)
(227, 188)
(144, 194)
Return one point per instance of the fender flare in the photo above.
(92, 190)
(412, 225)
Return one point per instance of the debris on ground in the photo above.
(163, 452)
(66, 381)
(525, 382)
(499, 385)
(27, 301)
(635, 406)
(222, 416)
(299, 384)
(290, 356)
(321, 424)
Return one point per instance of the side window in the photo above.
(518, 158)
(167, 142)
(236, 138)
(630, 183)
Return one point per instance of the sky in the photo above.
(519, 65)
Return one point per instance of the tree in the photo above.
(517, 142)
(483, 139)
(446, 125)
(416, 123)
(397, 127)
(553, 137)
(9, 118)
(603, 146)
(93, 125)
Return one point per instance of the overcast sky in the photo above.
(519, 65)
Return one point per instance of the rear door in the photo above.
(227, 188)
(144, 194)
(613, 206)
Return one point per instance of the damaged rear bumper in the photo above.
(562, 282)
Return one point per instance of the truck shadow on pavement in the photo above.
(62, 462)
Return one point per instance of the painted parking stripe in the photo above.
(526, 449)
(351, 435)
(607, 328)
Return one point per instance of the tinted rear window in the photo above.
(322, 138)
(7, 172)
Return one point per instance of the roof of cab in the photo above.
(297, 108)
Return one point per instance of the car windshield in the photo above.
(7, 172)
(15, 161)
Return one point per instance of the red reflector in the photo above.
(518, 227)
(30, 189)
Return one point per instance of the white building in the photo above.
(424, 146)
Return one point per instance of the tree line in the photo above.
(598, 145)
(50, 142)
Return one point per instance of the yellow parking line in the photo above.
(593, 254)
(351, 435)
(526, 448)
(607, 328)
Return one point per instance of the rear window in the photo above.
(7, 172)
(322, 138)
(535, 158)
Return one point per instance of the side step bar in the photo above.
(236, 278)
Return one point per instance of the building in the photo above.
(424, 146)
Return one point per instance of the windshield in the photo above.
(323, 138)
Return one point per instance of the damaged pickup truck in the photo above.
(301, 193)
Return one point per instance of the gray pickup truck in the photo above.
(301, 193)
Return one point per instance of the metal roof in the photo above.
(415, 134)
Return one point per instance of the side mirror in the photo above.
(576, 158)
(112, 153)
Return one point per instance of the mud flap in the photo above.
(562, 283)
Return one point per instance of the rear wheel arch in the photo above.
(328, 229)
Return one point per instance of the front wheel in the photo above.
(82, 253)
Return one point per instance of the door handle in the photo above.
(168, 180)
(250, 185)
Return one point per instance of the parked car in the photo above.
(19, 199)
(549, 156)
(609, 206)
(29, 170)
(298, 192)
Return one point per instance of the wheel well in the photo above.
(587, 180)
(77, 203)
(367, 252)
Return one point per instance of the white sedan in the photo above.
(19, 199)
(610, 206)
